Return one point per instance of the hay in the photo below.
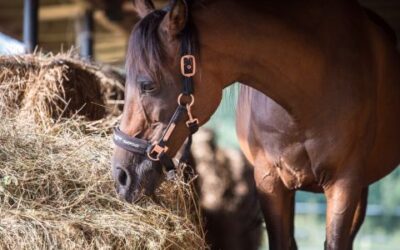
(56, 191)
(42, 86)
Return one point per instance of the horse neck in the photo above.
(264, 47)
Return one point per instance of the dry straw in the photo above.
(43, 86)
(56, 191)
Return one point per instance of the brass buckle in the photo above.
(188, 69)
(158, 150)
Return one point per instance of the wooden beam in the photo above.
(60, 11)
(128, 6)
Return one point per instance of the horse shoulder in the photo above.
(271, 139)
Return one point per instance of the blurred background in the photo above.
(99, 29)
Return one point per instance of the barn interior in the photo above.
(98, 30)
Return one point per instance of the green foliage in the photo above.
(223, 121)
(387, 192)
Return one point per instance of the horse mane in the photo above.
(145, 51)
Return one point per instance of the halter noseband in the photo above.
(158, 151)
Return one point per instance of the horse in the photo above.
(333, 73)
(276, 141)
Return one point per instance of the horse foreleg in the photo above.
(344, 199)
(359, 216)
(277, 204)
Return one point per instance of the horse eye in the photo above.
(148, 87)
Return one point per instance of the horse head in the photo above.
(167, 96)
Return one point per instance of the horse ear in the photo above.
(143, 7)
(175, 20)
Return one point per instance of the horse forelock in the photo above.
(145, 51)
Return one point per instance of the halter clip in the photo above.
(188, 105)
(191, 121)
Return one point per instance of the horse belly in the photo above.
(385, 153)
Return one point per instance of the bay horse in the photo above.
(330, 123)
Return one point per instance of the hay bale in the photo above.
(43, 86)
(56, 190)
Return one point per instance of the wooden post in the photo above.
(30, 28)
(85, 34)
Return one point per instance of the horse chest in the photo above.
(293, 166)
(271, 139)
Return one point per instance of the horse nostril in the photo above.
(123, 177)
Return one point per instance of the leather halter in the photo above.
(157, 152)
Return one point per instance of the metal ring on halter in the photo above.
(191, 100)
